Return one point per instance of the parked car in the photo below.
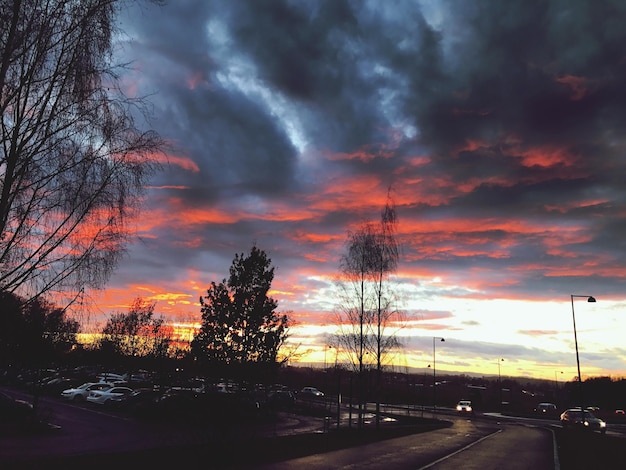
(141, 402)
(108, 396)
(464, 406)
(575, 418)
(57, 385)
(81, 392)
(311, 392)
(281, 399)
(110, 377)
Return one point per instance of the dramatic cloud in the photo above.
(499, 126)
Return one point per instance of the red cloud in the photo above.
(185, 163)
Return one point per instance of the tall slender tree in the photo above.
(385, 262)
(356, 304)
(366, 302)
(73, 164)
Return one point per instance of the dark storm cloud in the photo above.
(499, 124)
(502, 71)
(236, 143)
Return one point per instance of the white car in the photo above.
(464, 406)
(108, 396)
(82, 392)
(110, 377)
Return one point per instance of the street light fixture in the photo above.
(580, 383)
(435, 373)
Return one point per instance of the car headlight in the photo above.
(469, 408)
(458, 408)
(602, 424)
(586, 423)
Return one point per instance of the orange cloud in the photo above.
(538, 332)
(196, 79)
(185, 163)
(303, 236)
(544, 157)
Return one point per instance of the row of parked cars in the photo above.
(147, 397)
(101, 393)
(193, 399)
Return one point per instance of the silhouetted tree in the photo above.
(385, 262)
(366, 302)
(73, 165)
(34, 333)
(240, 324)
(357, 301)
(136, 333)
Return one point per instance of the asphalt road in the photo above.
(468, 444)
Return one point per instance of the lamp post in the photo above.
(580, 383)
(435, 374)
(326, 348)
(556, 380)
(500, 383)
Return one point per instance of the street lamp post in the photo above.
(435, 374)
(580, 383)
(556, 380)
(500, 383)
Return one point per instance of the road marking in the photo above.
(459, 451)
(555, 449)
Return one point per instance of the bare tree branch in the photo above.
(73, 166)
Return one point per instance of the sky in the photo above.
(497, 125)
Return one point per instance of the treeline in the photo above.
(34, 332)
(240, 335)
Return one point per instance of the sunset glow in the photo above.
(506, 170)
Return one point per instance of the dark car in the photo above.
(310, 393)
(546, 408)
(575, 418)
(143, 402)
(281, 399)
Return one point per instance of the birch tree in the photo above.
(73, 164)
(385, 262)
(366, 300)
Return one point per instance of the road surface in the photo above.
(468, 444)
